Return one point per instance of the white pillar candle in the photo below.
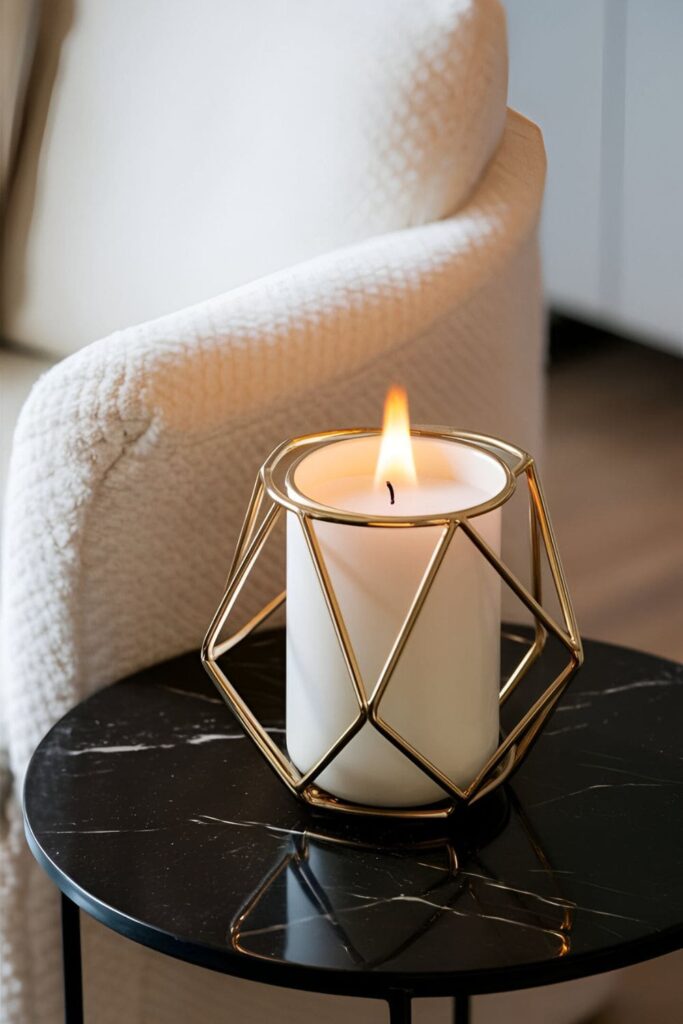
(443, 696)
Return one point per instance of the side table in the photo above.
(573, 869)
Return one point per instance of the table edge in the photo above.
(374, 984)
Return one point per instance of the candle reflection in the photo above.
(342, 902)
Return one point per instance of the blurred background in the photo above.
(604, 80)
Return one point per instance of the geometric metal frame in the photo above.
(274, 493)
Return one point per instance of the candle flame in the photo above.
(395, 462)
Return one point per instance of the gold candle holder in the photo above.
(274, 494)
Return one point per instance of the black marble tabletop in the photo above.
(150, 809)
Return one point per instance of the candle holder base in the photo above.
(273, 495)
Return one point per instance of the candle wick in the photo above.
(391, 491)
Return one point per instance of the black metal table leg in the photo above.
(461, 1010)
(71, 961)
(399, 1008)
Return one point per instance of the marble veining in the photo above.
(596, 785)
(206, 819)
(567, 728)
(636, 775)
(194, 696)
(145, 789)
(95, 831)
(368, 904)
(131, 748)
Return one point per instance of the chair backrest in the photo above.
(134, 458)
(175, 150)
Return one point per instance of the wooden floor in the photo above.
(614, 476)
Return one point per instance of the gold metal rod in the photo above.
(338, 622)
(250, 626)
(280, 482)
(497, 779)
(555, 688)
(248, 525)
(527, 738)
(516, 677)
(532, 732)
(553, 555)
(414, 755)
(406, 629)
(435, 812)
(263, 741)
(521, 458)
(272, 753)
(237, 581)
(254, 900)
(331, 753)
(516, 638)
(515, 585)
(536, 567)
(540, 633)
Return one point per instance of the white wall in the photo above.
(652, 271)
(604, 79)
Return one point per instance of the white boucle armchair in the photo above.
(133, 458)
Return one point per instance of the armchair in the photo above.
(415, 260)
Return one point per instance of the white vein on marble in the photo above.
(595, 785)
(195, 739)
(371, 902)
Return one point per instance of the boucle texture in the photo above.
(131, 469)
(239, 138)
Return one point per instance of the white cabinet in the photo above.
(652, 266)
(556, 80)
(604, 79)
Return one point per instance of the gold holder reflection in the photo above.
(467, 884)
(274, 494)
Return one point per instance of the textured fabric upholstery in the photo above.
(18, 373)
(172, 152)
(132, 464)
(151, 437)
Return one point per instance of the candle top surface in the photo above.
(427, 497)
(451, 477)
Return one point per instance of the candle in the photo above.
(443, 695)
